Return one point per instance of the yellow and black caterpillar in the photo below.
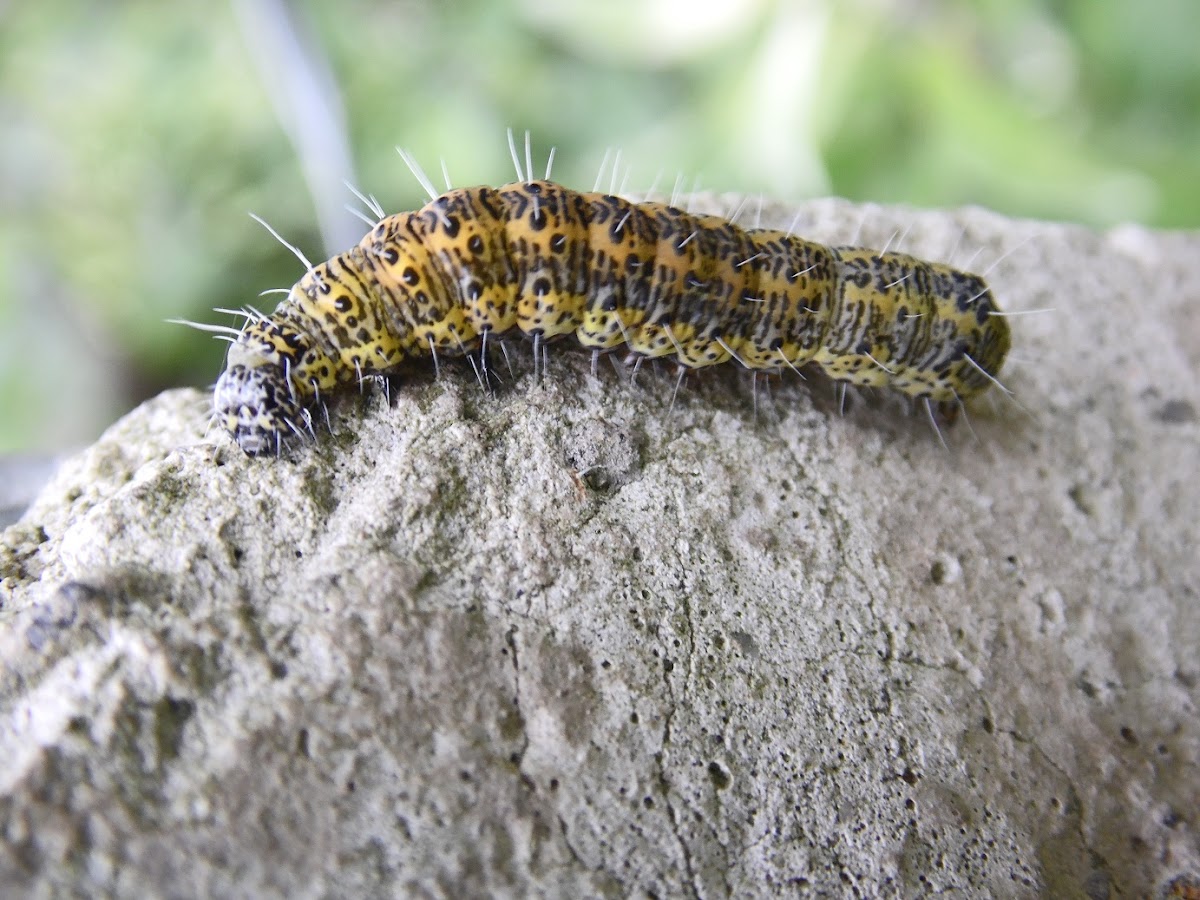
(534, 257)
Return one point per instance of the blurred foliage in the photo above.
(138, 134)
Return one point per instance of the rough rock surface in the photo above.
(572, 641)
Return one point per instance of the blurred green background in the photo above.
(138, 134)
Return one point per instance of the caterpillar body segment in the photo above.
(549, 262)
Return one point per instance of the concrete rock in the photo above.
(574, 640)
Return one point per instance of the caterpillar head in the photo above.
(257, 406)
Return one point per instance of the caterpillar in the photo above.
(536, 258)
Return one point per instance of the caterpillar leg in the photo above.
(637, 366)
(948, 411)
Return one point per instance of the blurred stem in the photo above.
(303, 91)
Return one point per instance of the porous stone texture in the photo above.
(574, 640)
